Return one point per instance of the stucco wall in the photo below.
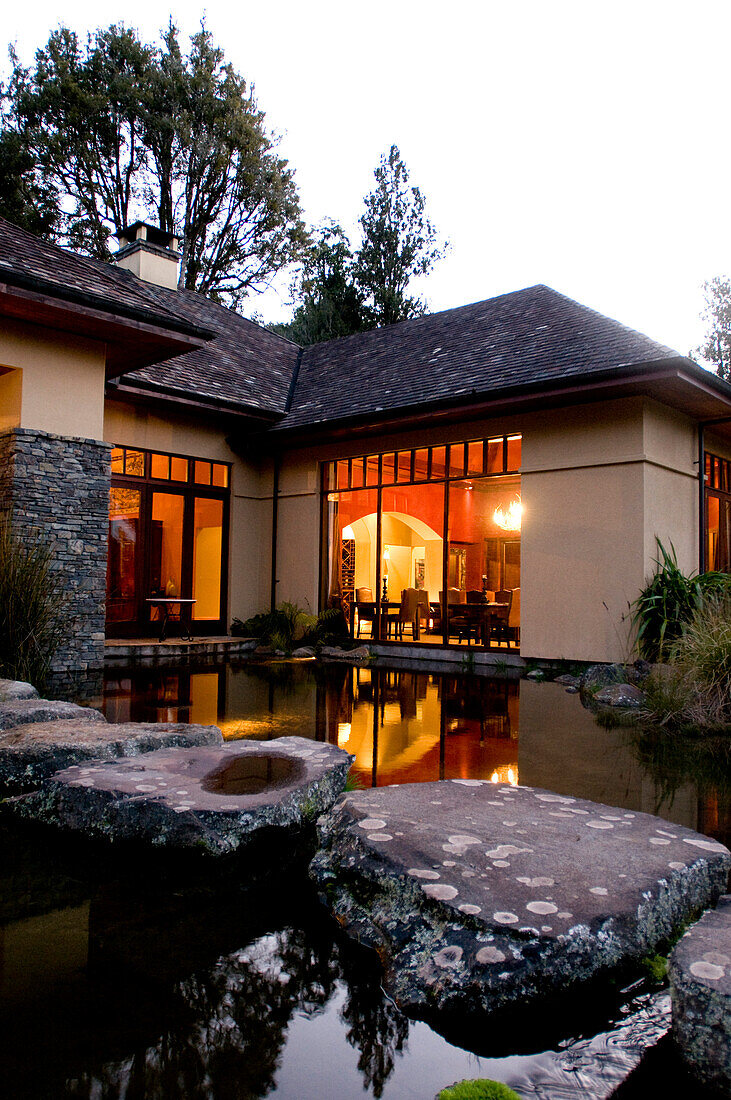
(62, 381)
(251, 491)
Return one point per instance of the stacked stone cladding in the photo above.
(60, 486)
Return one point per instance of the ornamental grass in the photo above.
(693, 690)
(31, 606)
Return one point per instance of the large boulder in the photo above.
(31, 753)
(700, 986)
(22, 711)
(211, 800)
(479, 897)
(16, 689)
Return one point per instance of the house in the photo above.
(521, 451)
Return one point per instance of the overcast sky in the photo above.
(569, 142)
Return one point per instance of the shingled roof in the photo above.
(245, 367)
(32, 264)
(532, 337)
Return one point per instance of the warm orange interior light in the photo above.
(510, 520)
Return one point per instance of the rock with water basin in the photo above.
(700, 982)
(33, 752)
(213, 800)
(479, 896)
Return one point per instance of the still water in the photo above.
(121, 982)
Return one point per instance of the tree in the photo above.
(340, 292)
(331, 303)
(122, 130)
(716, 348)
(399, 243)
(24, 198)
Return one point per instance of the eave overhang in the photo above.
(678, 383)
(229, 412)
(133, 338)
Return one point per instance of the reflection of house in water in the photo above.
(406, 727)
(563, 749)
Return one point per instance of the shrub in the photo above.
(668, 602)
(694, 690)
(31, 606)
(289, 625)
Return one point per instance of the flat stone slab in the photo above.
(31, 753)
(213, 800)
(479, 896)
(20, 712)
(700, 986)
(16, 689)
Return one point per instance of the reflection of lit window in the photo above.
(508, 773)
(344, 729)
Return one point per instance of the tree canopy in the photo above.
(331, 303)
(716, 347)
(399, 243)
(116, 129)
(339, 291)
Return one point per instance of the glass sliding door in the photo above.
(207, 558)
(124, 544)
(168, 535)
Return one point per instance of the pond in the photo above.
(116, 981)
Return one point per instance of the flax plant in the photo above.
(31, 606)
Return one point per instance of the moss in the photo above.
(656, 968)
(478, 1090)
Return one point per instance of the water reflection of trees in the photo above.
(675, 760)
(376, 1028)
(221, 1031)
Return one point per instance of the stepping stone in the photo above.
(700, 986)
(212, 800)
(479, 896)
(31, 753)
(20, 712)
(16, 689)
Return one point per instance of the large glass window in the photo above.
(124, 541)
(207, 558)
(718, 513)
(168, 521)
(431, 553)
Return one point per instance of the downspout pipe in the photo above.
(275, 521)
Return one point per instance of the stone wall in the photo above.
(61, 486)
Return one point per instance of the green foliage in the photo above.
(399, 243)
(119, 129)
(666, 604)
(25, 199)
(31, 606)
(339, 291)
(482, 1089)
(289, 626)
(693, 691)
(716, 347)
(331, 303)
(353, 782)
(656, 968)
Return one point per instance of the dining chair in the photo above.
(513, 626)
(365, 607)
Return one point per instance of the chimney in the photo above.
(149, 254)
